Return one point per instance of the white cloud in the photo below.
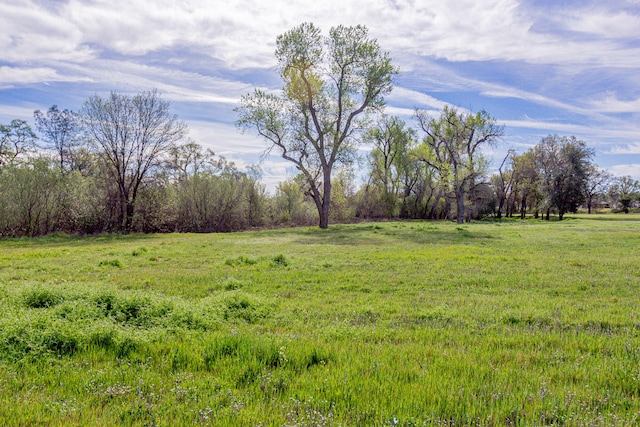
(404, 113)
(633, 148)
(595, 136)
(175, 85)
(242, 33)
(633, 170)
(497, 91)
(418, 99)
(225, 139)
(611, 104)
(10, 112)
(18, 76)
(31, 32)
(601, 22)
(132, 46)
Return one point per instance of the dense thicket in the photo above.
(106, 169)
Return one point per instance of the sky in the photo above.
(539, 67)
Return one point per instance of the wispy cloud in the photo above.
(23, 75)
(242, 33)
(612, 104)
(31, 32)
(595, 136)
(244, 149)
(419, 99)
(633, 148)
(568, 67)
(10, 112)
(632, 170)
(612, 24)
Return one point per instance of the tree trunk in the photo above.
(130, 205)
(122, 214)
(326, 200)
(523, 208)
(447, 208)
(434, 207)
(460, 205)
(502, 202)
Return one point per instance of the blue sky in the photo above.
(539, 67)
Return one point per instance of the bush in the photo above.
(242, 307)
(280, 261)
(41, 298)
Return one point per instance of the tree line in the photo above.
(332, 99)
(124, 163)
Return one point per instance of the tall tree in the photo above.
(330, 85)
(627, 190)
(392, 143)
(130, 134)
(525, 183)
(597, 182)
(452, 146)
(564, 164)
(503, 183)
(59, 129)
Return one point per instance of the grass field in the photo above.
(494, 323)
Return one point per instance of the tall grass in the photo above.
(495, 323)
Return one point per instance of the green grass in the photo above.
(417, 323)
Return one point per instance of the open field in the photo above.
(417, 323)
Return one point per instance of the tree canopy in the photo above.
(452, 146)
(130, 134)
(330, 85)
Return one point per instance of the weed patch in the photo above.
(240, 306)
(279, 261)
(240, 261)
(111, 263)
(42, 298)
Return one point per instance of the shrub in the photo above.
(280, 261)
(60, 342)
(41, 298)
(111, 263)
(241, 260)
(243, 307)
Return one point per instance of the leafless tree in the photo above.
(16, 138)
(597, 182)
(130, 134)
(59, 129)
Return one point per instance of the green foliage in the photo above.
(330, 84)
(280, 261)
(452, 146)
(290, 205)
(112, 263)
(416, 323)
(240, 306)
(241, 260)
(392, 163)
(16, 140)
(563, 165)
(41, 298)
